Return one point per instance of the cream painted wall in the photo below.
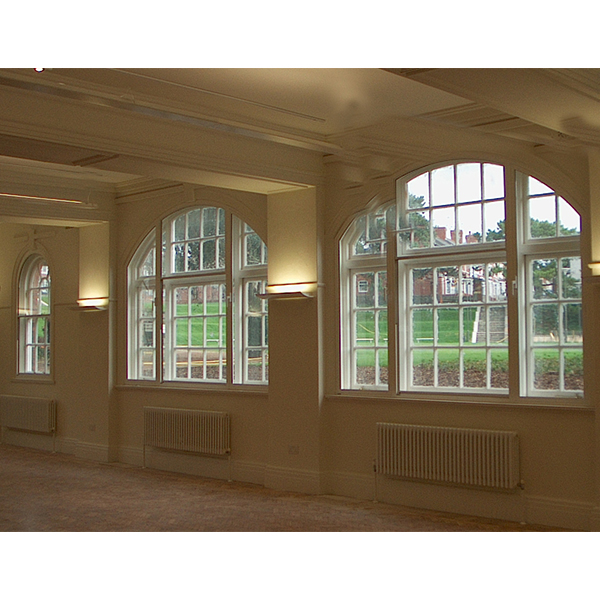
(558, 457)
(291, 436)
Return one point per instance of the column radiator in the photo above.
(470, 457)
(28, 414)
(200, 431)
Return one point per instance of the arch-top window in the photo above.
(460, 265)
(214, 326)
(34, 317)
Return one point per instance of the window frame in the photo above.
(26, 344)
(231, 274)
(516, 250)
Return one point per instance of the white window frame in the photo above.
(29, 318)
(529, 250)
(352, 264)
(234, 274)
(517, 251)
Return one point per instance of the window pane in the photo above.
(181, 364)
(146, 303)
(573, 366)
(469, 224)
(473, 320)
(193, 231)
(147, 364)
(253, 250)
(208, 255)
(468, 182)
(365, 367)
(448, 368)
(422, 326)
(493, 181)
(382, 363)
(447, 326)
(213, 331)
(422, 371)
(475, 368)
(181, 301)
(418, 191)
(418, 223)
(537, 187)
(494, 219)
(255, 331)
(365, 328)
(382, 328)
(443, 226)
(382, 288)
(255, 304)
(571, 277)
(197, 332)
(147, 268)
(498, 325)
(499, 369)
(570, 221)
(364, 290)
(496, 282)
(179, 228)
(473, 283)
(373, 234)
(544, 278)
(572, 325)
(442, 186)
(209, 222)
(422, 282)
(545, 323)
(447, 285)
(193, 256)
(181, 332)
(179, 258)
(146, 334)
(542, 213)
(546, 369)
(196, 296)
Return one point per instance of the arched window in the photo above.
(468, 253)
(214, 326)
(34, 316)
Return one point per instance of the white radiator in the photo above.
(28, 414)
(470, 457)
(200, 431)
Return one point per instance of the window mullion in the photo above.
(232, 360)
(159, 314)
(515, 282)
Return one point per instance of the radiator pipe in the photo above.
(375, 499)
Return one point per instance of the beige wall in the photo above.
(302, 433)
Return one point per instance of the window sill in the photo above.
(31, 378)
(218, 388)
(563, 403)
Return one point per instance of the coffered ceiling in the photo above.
(291, 110)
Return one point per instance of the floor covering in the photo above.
(46, 492)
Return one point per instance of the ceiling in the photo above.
(308, 108)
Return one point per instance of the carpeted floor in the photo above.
(44, 492)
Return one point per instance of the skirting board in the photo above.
(510, 506)
(95, 452)
(554, 512)
(241, 470)
(292, 480)
(26, 439)
(595, 519)
(351, 485)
